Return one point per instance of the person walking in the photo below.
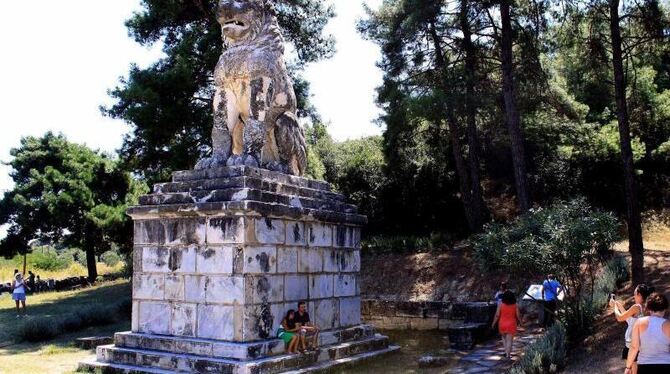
(550, 290)
(507, 316)
(501, 290)
(651, 339)
(630, 316)
(19, 293)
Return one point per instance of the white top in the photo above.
(654, 345)
(19, 287)
(631, 321)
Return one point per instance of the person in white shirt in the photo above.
(19, 293)
(651, 339)
(630, 316)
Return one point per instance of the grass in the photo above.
(57, 304)
(58, 355)
(74, 270)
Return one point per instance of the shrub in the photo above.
(77, 255)
(567, 239)
(45, 328)
(546, 355)
(110, 258)
(47, 258)
(39, 329)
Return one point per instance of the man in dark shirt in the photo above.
(307, 328)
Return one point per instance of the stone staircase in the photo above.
(144, 353)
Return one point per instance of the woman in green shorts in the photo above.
(287, 331)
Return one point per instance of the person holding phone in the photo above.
(630, 316)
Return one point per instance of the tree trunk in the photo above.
(511, 111)
(91, 263)
(478, 206)
(635, 245)
(454, 134)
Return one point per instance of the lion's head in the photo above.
(244, 20)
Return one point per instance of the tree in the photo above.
(66, 193)
(168, 104)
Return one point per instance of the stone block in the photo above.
(350, 311)
(195, 288)
(349, 261)
(260, 260)
(153, 317)
(310, 260)
(269, 230)
(182, 259)
(319, 234)
(423, 323)
(264, 289)
(185, 231)
(331, 260)
(278, 312)
(155, 259)
(149, 286)
(225, 230)
(135, 317)
(345, 285)
(216, 322)
(296, 288)
(287, 260)
(326, 314)
(149, 232)
(183, 319)
(320, 286)
(295, 233)
(258, 322)
(138, 252)
(214, 260)
(224, 290)
(174, 287)
(347, 237)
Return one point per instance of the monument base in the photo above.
(146, 353)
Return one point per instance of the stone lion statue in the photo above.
(255, 122)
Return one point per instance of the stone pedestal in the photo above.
(221, 254)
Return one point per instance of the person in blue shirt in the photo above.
(550, 289)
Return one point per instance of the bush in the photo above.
(77, 255)
(39, 329)
(546, 355)
(46, 328)
(567, 239)
(47, 258)
(110, 258)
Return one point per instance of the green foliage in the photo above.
(110, 258)
(402, 244)
(77, 255)
(66, 193)
(567, 239)
(46, 258)
(546, 355)
(38, 329)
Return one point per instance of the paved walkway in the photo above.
(489, 357)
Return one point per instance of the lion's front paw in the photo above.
(243, 160)
(215, 160)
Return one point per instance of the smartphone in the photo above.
(612, 296)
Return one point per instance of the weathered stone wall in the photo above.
(233, 277)
(423, 315)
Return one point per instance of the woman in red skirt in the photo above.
(507, 317)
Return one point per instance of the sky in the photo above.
(59, 58)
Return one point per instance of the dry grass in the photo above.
(76, 269)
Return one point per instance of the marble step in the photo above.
(238, 351)
(320, 367)
(342, 363)
(246, 182)
(177, 362)
(241, 194)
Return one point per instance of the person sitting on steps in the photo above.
(287, 332)
(307, 328)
